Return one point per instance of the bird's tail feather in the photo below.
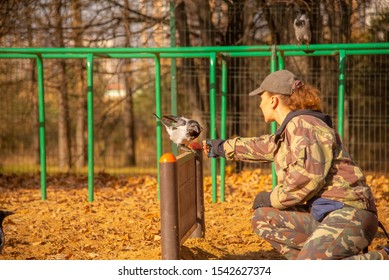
(161, 120)
(155, 115)
(172, 118)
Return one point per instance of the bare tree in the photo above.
(128, 115)
(63, 105)
(79, 85)
(189, 80)
(33, 84)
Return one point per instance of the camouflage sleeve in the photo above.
(257, 149)
(309, 162)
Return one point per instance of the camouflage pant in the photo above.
(343, 234)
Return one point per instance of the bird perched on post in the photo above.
(181, 130)
(3, 214)
(302, 29)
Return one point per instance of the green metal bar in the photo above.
(173, 68)
(107, 55)
(316, 53)
(336, 52)
(212, 111)
(273, 125)
(161, 55)
(135, 50)
(342, 71)
(158, 111)
(246, 54)
(326, 47)
(365, 52)
(281, 66)
(42, 125)
(99, 55)
(152, 55)
(314, 47)
(192, 53)
(89, 70)
(195, 54)
(17, 55)
(223, 127)
(281, 61)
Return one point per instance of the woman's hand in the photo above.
(213, 148)
(262, 200)
(206, 148)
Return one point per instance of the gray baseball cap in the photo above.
(281, 82)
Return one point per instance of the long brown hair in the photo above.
(305, 97)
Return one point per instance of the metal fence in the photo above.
(352, 78)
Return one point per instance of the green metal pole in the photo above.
(158, 111)
(185, 52)
(223, 129)
(281, 60)
(173, 68)
(273, 125)
(212, 111)
(89, 69)
(314, 47)
(342, 71)
(42, 133)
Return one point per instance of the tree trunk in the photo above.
(345, 23)
(128, 119)
(33, 88)
(79, 86)
(236, 80)
(64, 161)
(316, 29)
(128, 115)
(187, 73)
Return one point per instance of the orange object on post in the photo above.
(168, 157)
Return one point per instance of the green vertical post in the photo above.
(89, 70)
(281, 60)
(273, 125)
(173, 68)
(223, 127)
(212, 112)
(158, 111)
(342, 71)
(42, 133)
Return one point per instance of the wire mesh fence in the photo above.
(124, 89)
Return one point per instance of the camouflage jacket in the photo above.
(310, 161)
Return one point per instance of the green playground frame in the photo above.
(275, 52)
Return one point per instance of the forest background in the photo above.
(124, 88)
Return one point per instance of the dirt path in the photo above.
(124, 220)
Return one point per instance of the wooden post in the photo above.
(170, 241)
(182, 200)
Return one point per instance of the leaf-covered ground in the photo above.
(124, 221)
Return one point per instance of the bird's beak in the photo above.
(198, 129)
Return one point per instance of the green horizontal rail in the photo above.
(214, 49)
(190, 55)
